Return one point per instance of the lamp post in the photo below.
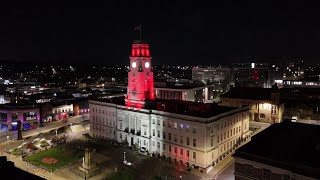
(124, 156)
(27, 166)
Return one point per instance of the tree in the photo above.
(125, 143)
(135, 147)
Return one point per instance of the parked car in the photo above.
(143, 150)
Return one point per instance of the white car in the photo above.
(143, 150)
(127, 163)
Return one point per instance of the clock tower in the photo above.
(140, 76)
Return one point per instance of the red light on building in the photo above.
(255, 75)
(140, 76)
(140, 50)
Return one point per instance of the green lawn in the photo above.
(63, 154)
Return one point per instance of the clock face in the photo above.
(134, 64)
(147, 64)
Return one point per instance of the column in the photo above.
(135, 125)
(20, 118)
(206, 93)
(129, 124)
(9, 120)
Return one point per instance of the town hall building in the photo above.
(191, 133)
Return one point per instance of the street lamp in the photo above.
(124, 156)
(27, 166)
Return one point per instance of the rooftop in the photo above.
(189, 108)
(12, 106)
(291, 146)
(253, 93)
(178, 84)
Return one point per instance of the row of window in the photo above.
(175, 138)
(229, 133)
(100, 120)
(175, 125)
(103, 129)
(103, 112)
(229, 122)
(175, 151)
(265, 173)
(182, 152)
(63, 110)
(227, 146)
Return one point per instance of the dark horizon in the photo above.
(185, 33)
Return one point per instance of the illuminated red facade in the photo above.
(140, 76)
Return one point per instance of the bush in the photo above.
(135, 147)
(17, 151)
(44, 143)
(31, 146)
(125, 143)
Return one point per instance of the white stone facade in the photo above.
(260, 110)
(63, 108)
(193, 141)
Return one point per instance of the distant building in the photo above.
(286, 151)
(217, 76)
(81, 107)
(312, 73)
(264, 103)
(61, 111)
(10, 114)
(303, 103)
(297, 84)
(4, 99)
(293, 70)
(251, 75)
(185, 90)
(290, 70)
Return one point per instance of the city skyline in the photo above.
(180, 33)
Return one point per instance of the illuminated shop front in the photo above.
(63, 111)
(10, 115)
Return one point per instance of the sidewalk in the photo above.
(19, 163)
(214, 173)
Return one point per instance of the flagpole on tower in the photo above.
(140, 32)
(138, 28)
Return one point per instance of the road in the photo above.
(5, 135)
(227, 173)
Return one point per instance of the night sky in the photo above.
(184, 32)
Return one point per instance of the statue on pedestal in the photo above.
(88, 167)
